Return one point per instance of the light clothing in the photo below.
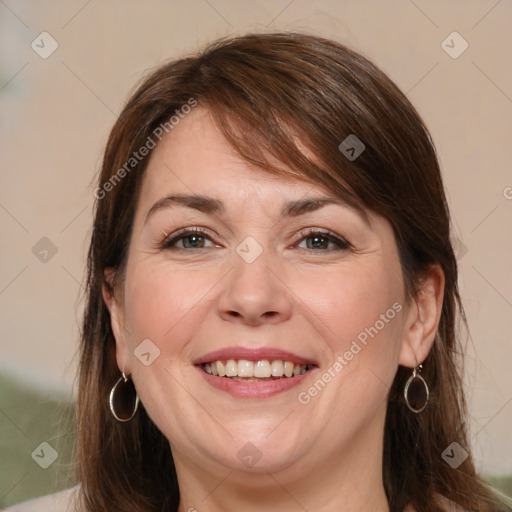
(63, 501)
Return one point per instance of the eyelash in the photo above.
(169, 243)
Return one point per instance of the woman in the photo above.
(272, 296)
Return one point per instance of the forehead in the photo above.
(195, 157)
(195, 166)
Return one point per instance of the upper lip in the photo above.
(252, 354)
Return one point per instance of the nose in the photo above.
(254, 294)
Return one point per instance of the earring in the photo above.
(123, 397)
(420, 396)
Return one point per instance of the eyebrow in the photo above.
(211, 205)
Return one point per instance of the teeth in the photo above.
(253, 370)
(245, 368)
(288, 369)
(231, 368)
(277, 368)
(261, 370)
(220, 368)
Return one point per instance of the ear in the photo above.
(114, 303)
(422, 319)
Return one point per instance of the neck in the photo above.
(348, 479)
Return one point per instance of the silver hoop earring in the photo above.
(421, 394)
(123, 397)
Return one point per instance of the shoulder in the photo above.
(445, 504)
(63, 501)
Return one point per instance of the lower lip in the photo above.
(263, 389)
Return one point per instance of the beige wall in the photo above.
(57, 112)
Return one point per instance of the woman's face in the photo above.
(232, 269)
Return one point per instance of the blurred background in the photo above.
(66, 68)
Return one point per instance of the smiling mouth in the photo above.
(255, 371)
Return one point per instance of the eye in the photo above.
(199, 238)
(324, 241)
(189, 238)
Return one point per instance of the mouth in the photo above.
(244, 370)
(254, 373)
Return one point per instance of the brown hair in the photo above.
(265, 91)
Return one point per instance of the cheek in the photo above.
(355, 304)
(359, 311)
(376, 335)
(160, 299)
(164, 305)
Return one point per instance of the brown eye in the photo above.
(326, 242)
(193, 241)
(317, 242)
(188, 239)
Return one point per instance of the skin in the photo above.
(324, 455)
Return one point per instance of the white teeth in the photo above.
(231, 368)
(262, 369)
(244, 369)
(277, 368)
(220, 368)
